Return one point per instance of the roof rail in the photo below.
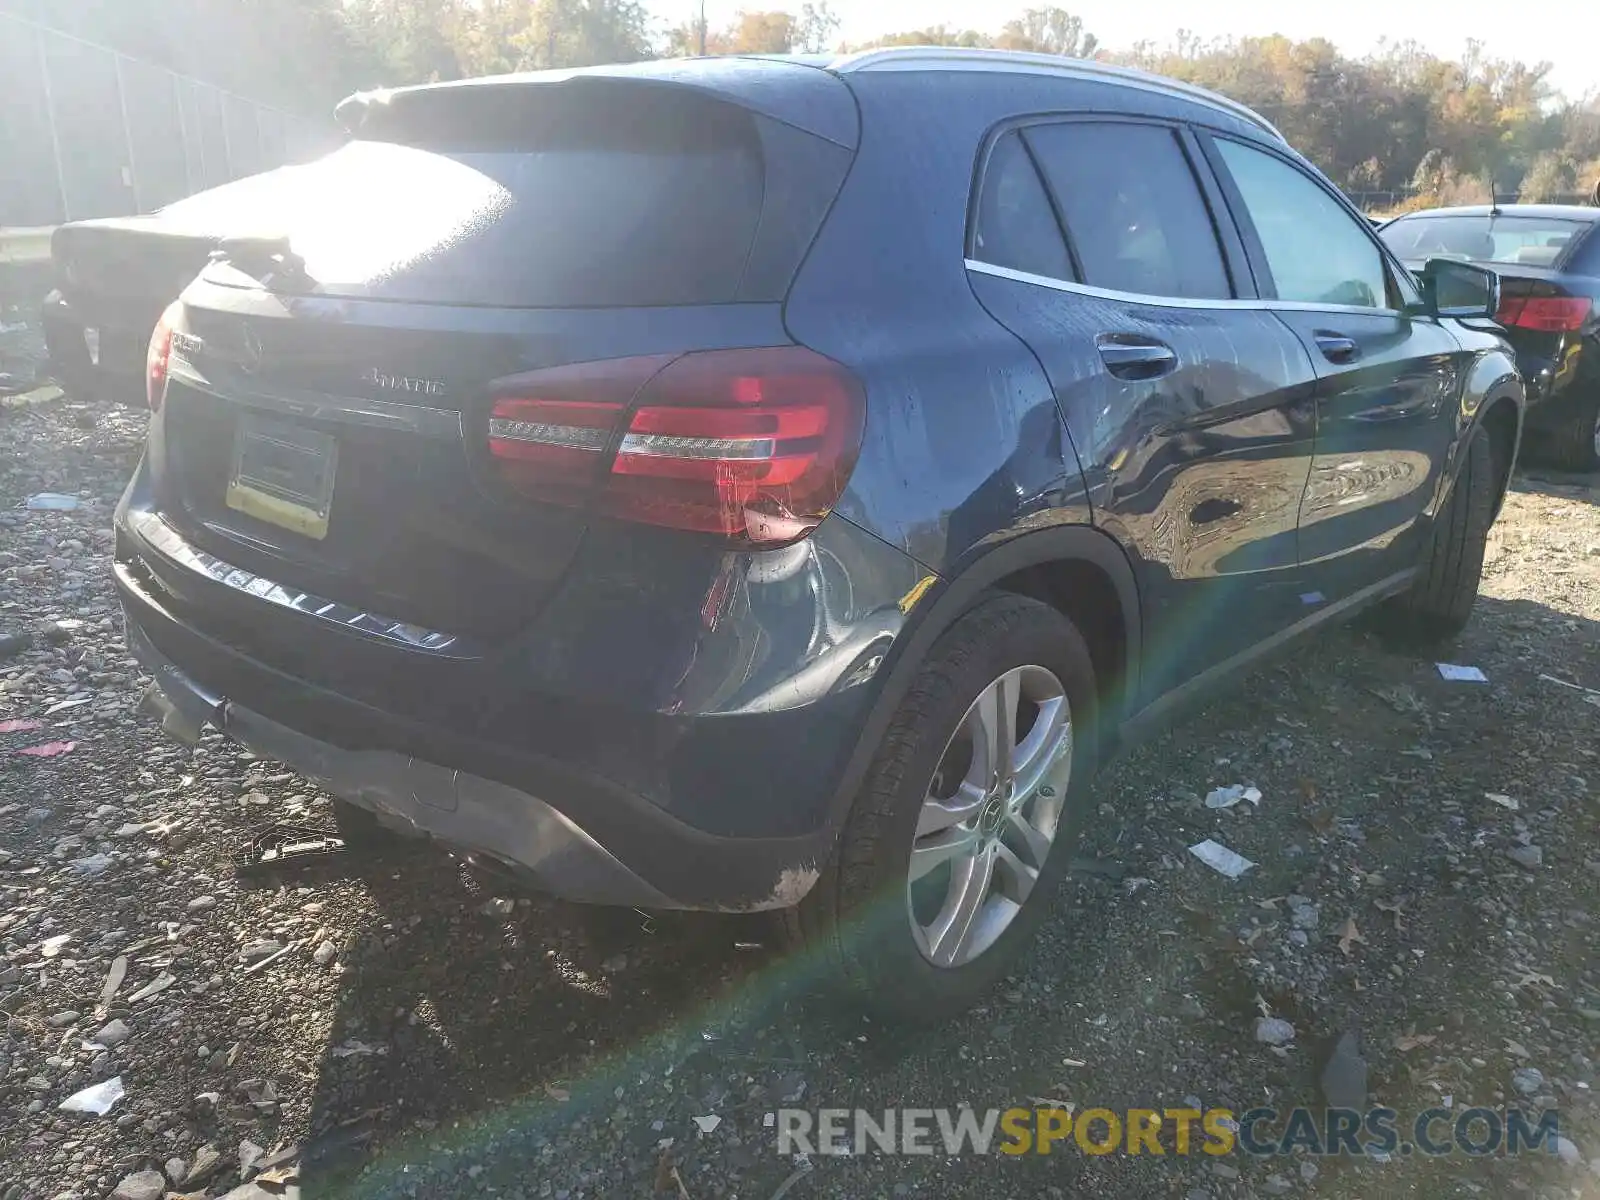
(962, 58)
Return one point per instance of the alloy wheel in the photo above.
(990, 816)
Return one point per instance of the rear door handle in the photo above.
(1337, 348)
(1129, 357)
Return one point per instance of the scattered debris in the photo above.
(1219, 858)
(559, 1094)
(157, 985)
(354, 1046)
(1459, 674)
(49, 750)
(1412, 1041)
(113, 1033)
(52, 946)
(93, 864)
(1507, 802)
(271, 958)
(97, 1100)
(52, 502)
(1395, 910)
(1274, 1031)
(1348, 936)
(1227, 797)
(20, 725)
(117, 972)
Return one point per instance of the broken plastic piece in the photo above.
(97, 1100)
(279, 845)
(49, 749)
(1227, 797)
(708, 1124)
(19, 725)
(52, 502)
(1220, 859)
(1509, 802)
(1460, 674)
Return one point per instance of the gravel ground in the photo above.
(405, 1028)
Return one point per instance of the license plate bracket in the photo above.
(283, 474)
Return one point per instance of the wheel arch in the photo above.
(1078, 570)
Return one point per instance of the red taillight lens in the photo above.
(1547, 314)
(753, 445)
(550, 431)
(159, 357)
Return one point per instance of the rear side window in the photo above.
(1016, 227)
(531, 198)
(1318, 252)
(1135, 215)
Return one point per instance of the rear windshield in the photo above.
(1530, 241)
(585, 197)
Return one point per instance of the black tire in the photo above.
(1437, 606)
(855, 926)
(1574, 445)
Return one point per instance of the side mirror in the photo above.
(1458, 289)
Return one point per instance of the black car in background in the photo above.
(744, 484)
(1548, 260)
(115, 275)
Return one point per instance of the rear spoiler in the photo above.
(797, 94)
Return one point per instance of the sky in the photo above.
(1567, 35)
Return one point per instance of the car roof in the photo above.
(961, 58)
(750, 77)
(1564, 212)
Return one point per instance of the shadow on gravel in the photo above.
(541, 1040)
(1565, 485)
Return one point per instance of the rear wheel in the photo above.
(967, 818)
(1438, 605)
(1575, 444)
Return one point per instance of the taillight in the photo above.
(752, 445)
(1547, 314)
(159, 357)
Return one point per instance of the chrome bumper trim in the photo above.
(167, 542)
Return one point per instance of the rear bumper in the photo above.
(595, 796)
(467, 811)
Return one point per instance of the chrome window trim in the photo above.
(958, 58)
(1083, 289)
(424, 420)
(171, 545)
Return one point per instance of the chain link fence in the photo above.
(86, 131)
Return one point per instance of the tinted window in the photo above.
(1535, 241)
(1134, 212)
(1016, 227)
(488, 197)
(1317, 252)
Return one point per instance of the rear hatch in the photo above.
(326, 423)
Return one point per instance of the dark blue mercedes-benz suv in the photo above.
(750, 484)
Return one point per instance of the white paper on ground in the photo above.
(1458, 674)
(1219, 858)
(97, 1100)
(1227, 797)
